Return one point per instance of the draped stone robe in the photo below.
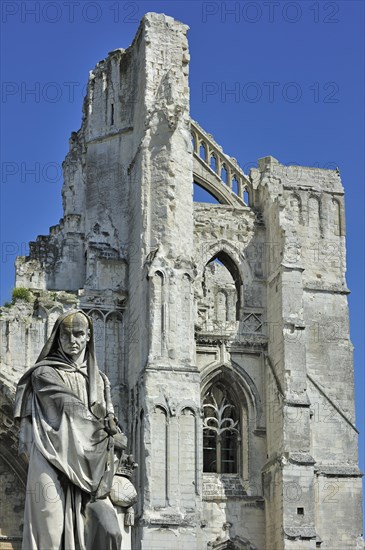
(71, 458)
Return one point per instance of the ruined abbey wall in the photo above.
(222, 327)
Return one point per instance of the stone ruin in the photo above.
(223, 327)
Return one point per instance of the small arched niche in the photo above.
(336, 217)
(294, 208)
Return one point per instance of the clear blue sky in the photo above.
(296, 68)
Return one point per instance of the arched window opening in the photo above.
(213, 162)
(221, 273)
(224, 174)
(294, 208)
(203, 151)
(220, 296)
(246, 197)
(221, 432)
(235, 187)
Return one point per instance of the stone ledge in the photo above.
(291, 401)
(300, 533)
(171, 368)
(222, 487)
(165, 519)
(335, 288)
(251, 341)
(333, 470)
(301, 458)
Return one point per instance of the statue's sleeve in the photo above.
(67, 434)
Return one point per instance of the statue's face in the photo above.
(74, 335)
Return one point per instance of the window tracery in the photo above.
(221, 432)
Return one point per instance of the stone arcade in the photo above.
(222, 327)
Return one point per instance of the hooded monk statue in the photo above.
(70, 434)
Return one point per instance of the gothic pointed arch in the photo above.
(232, 256)
(223, 303)
(243, 385)
(223, 258)
(238, 406)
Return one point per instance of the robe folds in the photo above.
(71, 456)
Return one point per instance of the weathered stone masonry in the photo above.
(222, 327)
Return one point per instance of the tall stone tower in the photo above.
(222, 327)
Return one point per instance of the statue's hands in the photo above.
(120, 441)
(110, 424)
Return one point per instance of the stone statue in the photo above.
(74, 444)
